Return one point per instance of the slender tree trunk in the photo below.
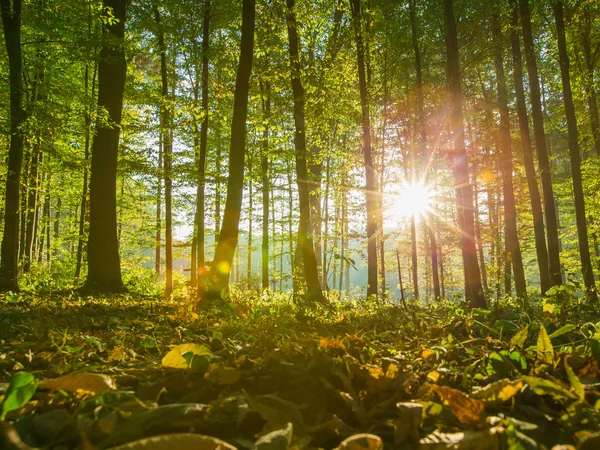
(217, 194)
(589, 77)
(200, 193)
(325, 230)
(229, 234)
(575, 156)
(305, 240)
(104, 271)
(473, 289)
(165, 130)
(250, 217)
(11, 21)
(541, 148)
(510, 212)
(86, 156)
(266, 105)
(32, 203)
(534, 192)
(371, 198)
(400, 277)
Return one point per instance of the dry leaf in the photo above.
(92, 382)
(500, 390)
(182, 441)
(222, 375)
(362, 442)
(466, 409)
(175, 359)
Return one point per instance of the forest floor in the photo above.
(84, 372)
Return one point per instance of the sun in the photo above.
(415, 199)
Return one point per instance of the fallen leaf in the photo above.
(499, 391)
(362, 442)
(219, 374)
(468, 440)
(174, 358)
(91, 382)
(182, 441)
(465, 409)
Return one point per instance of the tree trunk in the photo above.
(104, 271)
(464, 194)
(541, 148)
(250, 214)
(575, 156)
(305, 240)
(228, 236)
(165, 130)
(510, 212)
(589, 77)
(371, 198)
(32, 203)
(11, 20)
(200, 193)
(534, 192)
(266, 106)
(86, 157)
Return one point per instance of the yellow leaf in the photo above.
(118, 354)
(467, 410)
(181, 441)
(544, 349)
(332, 344)
(222, 375)
(549, 308)
(175, 359)
(362, 442)
(91, 382)
(433, 376)
(499, 391)
(427, 354)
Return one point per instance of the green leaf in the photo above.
(21, 389)
(544, 349)
(565, 329)
(518, 340)
(574, 380)
(176, 359)
(542, 386)
(148, 342)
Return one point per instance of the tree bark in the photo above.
(371, 197)
(575, 156)
(554, 275)
(528, 161)
(510, 211)
(589, 58)
(11, 20)
(228, 236)
(305, 240)
(266, 106)
(104, 271)
(464, 195)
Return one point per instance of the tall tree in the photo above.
(464, 194)
(305, 239)
(504, 144)
(371, 197)
(265, 89)
(554, 275)
(104, 270)
(228, 235)
(528, 160)
(11, 21)
(575, 155)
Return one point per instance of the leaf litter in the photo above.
(131, 373)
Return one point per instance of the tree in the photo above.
(371, 198)
(228, 235)
(554, 275)
(510, 212)
(304, 240)
(574, 153)
(11, 21)
(464, 194)
(104, 271)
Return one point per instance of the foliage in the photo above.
(271, 375)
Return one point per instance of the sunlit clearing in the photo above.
(415, 199)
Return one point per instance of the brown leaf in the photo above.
(362, 442)
(92, 382)
(466, 409)
(181, 441)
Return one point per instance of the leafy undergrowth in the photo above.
(82, 372)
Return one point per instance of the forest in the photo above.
(299, 224)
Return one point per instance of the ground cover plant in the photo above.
(102, 372)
